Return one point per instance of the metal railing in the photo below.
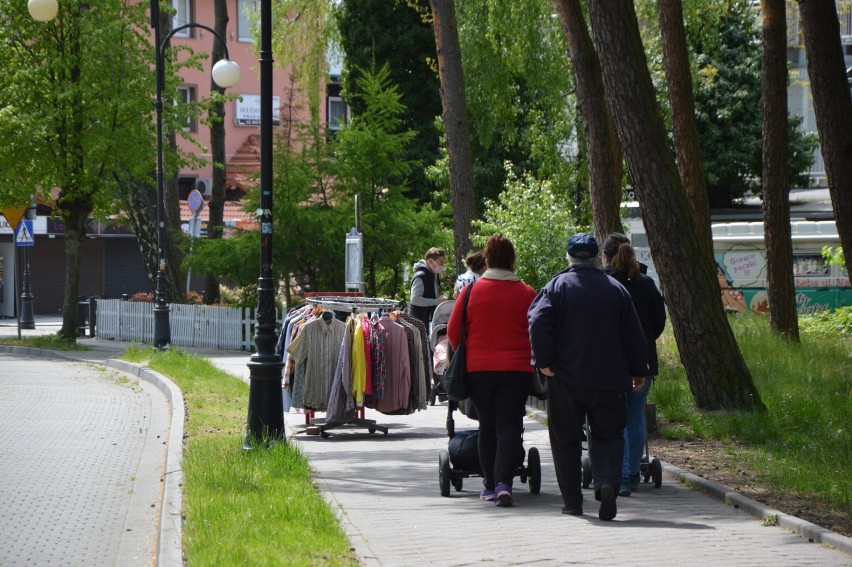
(199, 326)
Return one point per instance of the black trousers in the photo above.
(567, 409)
(500, 399)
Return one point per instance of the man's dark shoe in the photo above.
(572, 511)
(608, 509)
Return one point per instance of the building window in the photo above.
(338, 113)
(187, 97)
(246, 10)
(183, 16)
(336, 110)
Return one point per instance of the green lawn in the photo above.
(257, 507)
(802, 444)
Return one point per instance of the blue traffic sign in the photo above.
(24, 235)
(195, 200)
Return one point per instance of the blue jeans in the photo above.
(634, 433)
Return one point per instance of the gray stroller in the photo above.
(437, 333)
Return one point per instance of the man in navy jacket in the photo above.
(587, 339)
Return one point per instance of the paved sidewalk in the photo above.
(385, 490)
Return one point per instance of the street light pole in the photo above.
(26, 318)
(265, 409)
(226, 73)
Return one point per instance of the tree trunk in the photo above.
(456, 125)
(602, 142)
(776, 192)
(832, 105)
(75, 238)
(175, 276)
(217, 148)
(709, 352)
(684, 130)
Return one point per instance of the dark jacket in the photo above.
(583, 326)
(651, 309)
(431, 290)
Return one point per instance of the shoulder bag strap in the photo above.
(463, 330)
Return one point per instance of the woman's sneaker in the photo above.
(503, 494)
(487, 495)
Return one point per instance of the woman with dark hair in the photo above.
(499, 370)
(620, 262)
(475, 262)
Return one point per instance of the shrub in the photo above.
(194, 298)
(828, 323)
(144, 297)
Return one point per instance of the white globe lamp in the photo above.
(43, 10)
(226, 73)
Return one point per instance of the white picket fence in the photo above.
(201, 326)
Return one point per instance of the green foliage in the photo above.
(520, 106)
(802, 444)
(723, 39)
(315, 185)
(73, 91)
(834, 256)
(374, 33)
(537, 221)
(827, 324)
(301, 38)
(371, 163)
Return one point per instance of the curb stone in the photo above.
(809, 531)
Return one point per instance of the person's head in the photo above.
(435, 259)
(619, 255)
(582, 250)
(475, 261)
(500, 253)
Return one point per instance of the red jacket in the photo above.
(497, 329)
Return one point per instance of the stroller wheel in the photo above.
(534, 470)
(657, 472)
(457, 483)
(587, 471)
(444, 472)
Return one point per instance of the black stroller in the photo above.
(461, 458)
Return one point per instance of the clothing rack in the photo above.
(354, 304)
(319, 426)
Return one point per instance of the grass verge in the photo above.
(802, 444)
(50, 342)
(256, 507)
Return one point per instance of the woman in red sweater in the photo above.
(498, 364)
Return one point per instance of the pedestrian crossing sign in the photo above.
(24, 235)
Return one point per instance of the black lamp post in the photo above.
(265, 407)
(26, 320)
(226, 73)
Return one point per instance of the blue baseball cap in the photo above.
(582, 246)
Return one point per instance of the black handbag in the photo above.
(455, 378)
